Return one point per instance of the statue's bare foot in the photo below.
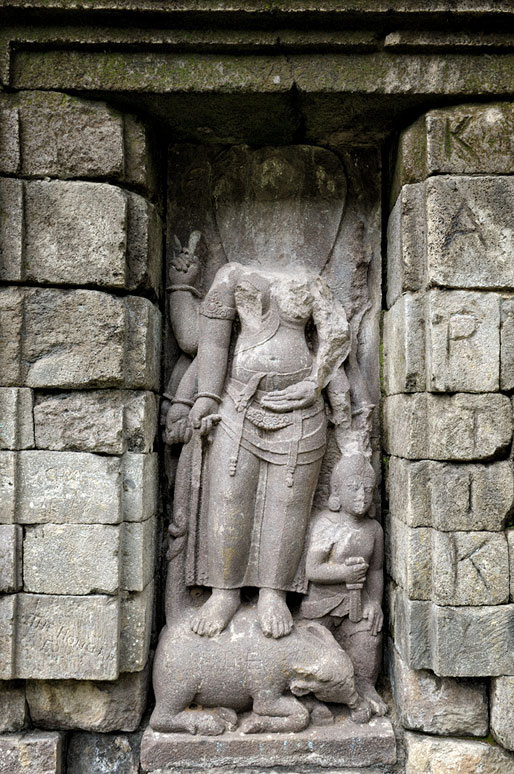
(216, 613)
(274, 615)
(368, 691)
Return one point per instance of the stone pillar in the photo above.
(448, 377)
(80, 263)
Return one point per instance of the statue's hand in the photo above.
(178, 429)
(184, 268)
(203, 415)
(373, 612)
(297, 396)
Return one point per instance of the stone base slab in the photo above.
(342, 744)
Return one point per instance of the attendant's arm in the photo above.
(375, 583)
(319, 569)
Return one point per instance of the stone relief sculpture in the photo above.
(268, 361)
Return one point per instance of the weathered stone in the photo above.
(65, 637)
(459, 140)
(17, 425)
(78, 338)
(140, 486)
(107, 421)
(75, 233)
(11, 229)
(8, 470)
(453, 641)
(138, 554)
(102, 754)
(456, 756)
(71, 559)
(68, 487)
(404, 345)
(507, 344)
(10, 558)
(450, 497)
(34, 752)
(136, 629)
(463, 341)
(409, 557)
(144, 245)
(502, 710)
(510, 541)
(437, 705)
(8, 604)
(447, 427)
(58, 135)
(405, 243)
(91, 706)
(13, 713)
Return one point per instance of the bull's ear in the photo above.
(322, 633)
(311, 670)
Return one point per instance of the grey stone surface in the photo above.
(144, 245)
(450, 497)
(87, 705)
(461, 427)
(67, 637)
(78, 338)
(431, 755)
(510, 541)
(33, 752)
(465, 139)
(502, 710)
(138, 554)
(68, 487)
(140, 486)
(507, 344)
(11, 228)
(8, 466)
(106, 421)
(437, 705)
(449, 568)
(103, 754)
(71, 559)
(58, 135)
(136, 616)
(13, 711)
(453, 641)
(7, 623)
(16, 424)
(339, 745)
(463, 341)
(406, 243)
(404, 345)
(10, 557)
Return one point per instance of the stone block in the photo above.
(406, 243)
(459, 140)
(66, 637)
(437, 705)
(47, 134)
(144, 245)
(90, 706)
(34, 752)
(8, 606)
(13, 712)
(458, 427)
(138, 554)
(502, 711)
(136, 629)
(507, 344)
(510, 542)
(404, 345)
(430, 755)
(103, 754)
(470, 232)
(11, 228)
(77, 339)
(451, 497)
(10, 558)
(140, 486)
(409, 557)
(453, 641)
(16, 423)
(8, 471)
(71, 559)
(463, 341)
(68, 487)
(106, 421)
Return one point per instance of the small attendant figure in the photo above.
(344, 565)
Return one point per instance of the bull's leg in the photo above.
(273, 714)
(192, 721)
